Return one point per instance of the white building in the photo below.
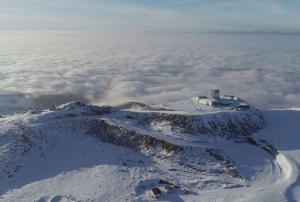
(212, 100)
(208, 102)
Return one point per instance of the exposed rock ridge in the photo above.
(229, 125)
(122, 136)
(237, 126)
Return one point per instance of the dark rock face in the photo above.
(229, 170)
(121, 136)
(263, 144)
(224, 124)
(74, 109)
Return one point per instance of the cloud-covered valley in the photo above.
(118, 67)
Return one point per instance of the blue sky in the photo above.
(154, 15)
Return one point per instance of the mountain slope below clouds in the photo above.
(78, 152)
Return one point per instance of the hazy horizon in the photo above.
(154, 15)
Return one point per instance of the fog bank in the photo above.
(118, 67)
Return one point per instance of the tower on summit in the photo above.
(214, 93)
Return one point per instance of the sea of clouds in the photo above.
(118, 67)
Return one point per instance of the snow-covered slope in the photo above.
(78, 152)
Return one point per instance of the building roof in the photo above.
(156, 191)
(185, 191)
(208, 100)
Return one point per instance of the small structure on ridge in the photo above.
(155, 193)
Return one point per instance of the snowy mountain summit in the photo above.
(200, 149)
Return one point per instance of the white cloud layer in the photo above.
(113, 68)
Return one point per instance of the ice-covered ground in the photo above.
(66, 165)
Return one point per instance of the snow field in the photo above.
(63, 164)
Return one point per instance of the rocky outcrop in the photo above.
(121, 136)
(74, 109)
(230, 125)
(78, 118)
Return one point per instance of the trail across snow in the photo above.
(276, 181)
(284, 133)
(281, 180)
(282, 183)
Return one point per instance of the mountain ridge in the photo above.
(177, 143)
